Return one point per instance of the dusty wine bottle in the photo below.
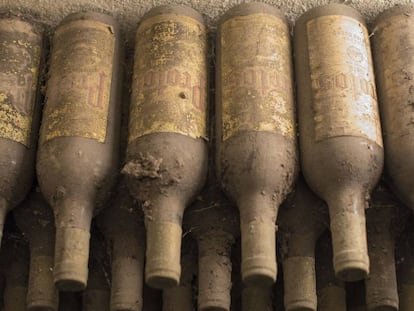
(77, 160)
(358, 308)
(393, 45)
(69, 301)
(180, 298)
(213, 222)
(236, 280)
(21, 51)
(35, 219)
(302, 219)
(256, 298)
(2, 287)
(330, 291)
(96, 296)
(355, 295)
(16, 249)
(256, 158)
(381, 291)
(122, 223)
(152, 299)
(167, 152)
(339, 125)
(405, 268)
(3, 266)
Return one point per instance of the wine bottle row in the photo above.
(115, 180)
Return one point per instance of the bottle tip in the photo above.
(69, 285)
(259, 277)
(258, 271)
(351, 267)
(162, 279)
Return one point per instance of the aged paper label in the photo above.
(343, 83)
(19, 69)
(170, 83)
(79, 88)
(256, 76)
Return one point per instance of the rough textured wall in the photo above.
(128, 12)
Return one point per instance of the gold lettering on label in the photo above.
(19, 62)
(78, 95)
(159, 81)
(256, 90)
(170, 84)
(343, 84)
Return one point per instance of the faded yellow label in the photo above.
(79, 88)
(395, 56)
(169, 85)
(256, 76)
(343, 84)
(19, 62)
